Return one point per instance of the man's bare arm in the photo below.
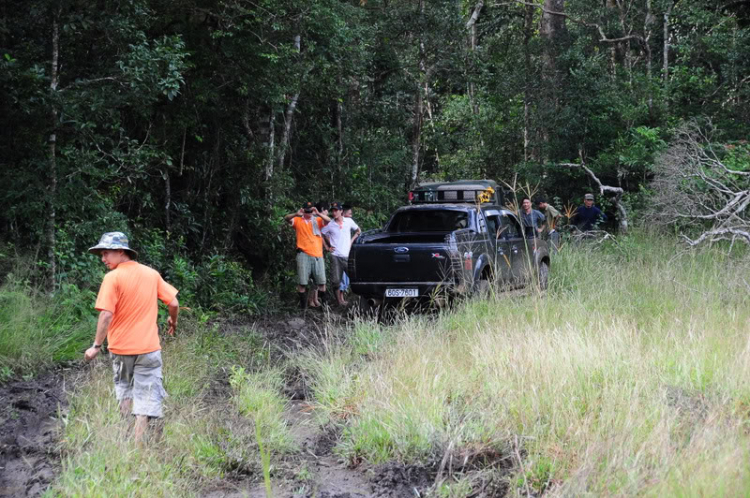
(356, 234)
(102, 325)
(290, 216)
(174, 310)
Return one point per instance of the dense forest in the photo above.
(195, 125)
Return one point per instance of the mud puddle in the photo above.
(29, 433)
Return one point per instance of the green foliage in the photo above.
(217, 284)
(164, 128)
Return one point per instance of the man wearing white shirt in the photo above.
(338, 233)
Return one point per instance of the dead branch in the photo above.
(697, 191)
(618, 192)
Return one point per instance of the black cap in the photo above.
(307, 206)
(337, 205)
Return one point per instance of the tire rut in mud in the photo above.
(29, 433)
(316, 470)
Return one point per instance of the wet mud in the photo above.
(29, 433)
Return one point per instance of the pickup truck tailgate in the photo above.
(402, 261)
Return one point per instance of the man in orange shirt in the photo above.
(308, 223)
(128, 308)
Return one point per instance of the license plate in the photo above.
(401, 292)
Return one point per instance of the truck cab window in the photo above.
(509, 227)
(428, 221)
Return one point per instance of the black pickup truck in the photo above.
(458, 248)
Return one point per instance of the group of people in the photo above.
(128, 297)
(317, 232)
(542, 222)
(128, 304)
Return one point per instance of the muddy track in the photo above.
(316, 471)
(29, 433)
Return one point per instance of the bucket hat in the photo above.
(113, 241)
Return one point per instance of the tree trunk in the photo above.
(649, 73)
(168, 204)
(287, 132)
(471, 25)
(271, 144)
(52, 152)
(552, 30)
(416, 141)
(288, 115)
(665, 62)
(527, 35)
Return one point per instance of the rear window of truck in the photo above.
(428, 221)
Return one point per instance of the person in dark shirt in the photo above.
(533, 220)
(588, 217)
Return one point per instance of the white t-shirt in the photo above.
(340, 236)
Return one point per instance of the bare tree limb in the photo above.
(617, 191)
(698, 192)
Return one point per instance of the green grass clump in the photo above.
(258, 397)
(629, 376)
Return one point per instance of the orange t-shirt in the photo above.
(306, 240)
(130, 292)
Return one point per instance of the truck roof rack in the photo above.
(461, 191)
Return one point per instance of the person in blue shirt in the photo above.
(588, 217)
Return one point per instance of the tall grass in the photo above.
(629, 376)
(37, 331)
(201, 439)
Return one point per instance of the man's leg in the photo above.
(319, 274)
(303, 276)
(126, 407)
(141, 424)
(339, 265)
(122, 366)
(148, 391)
(302, 295)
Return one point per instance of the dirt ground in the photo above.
(29, 432)
(30, 429)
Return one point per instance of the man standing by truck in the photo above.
(127, 304)
(339, 235)
(533, 220)
(308, 223)
(551, 216)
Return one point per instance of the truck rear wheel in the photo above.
(483, 288)
(543, 275)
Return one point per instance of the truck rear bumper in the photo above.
(377, 290)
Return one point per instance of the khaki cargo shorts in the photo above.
(138, 377)
(309, 265)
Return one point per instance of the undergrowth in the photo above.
(629, 376)
(38, 331)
